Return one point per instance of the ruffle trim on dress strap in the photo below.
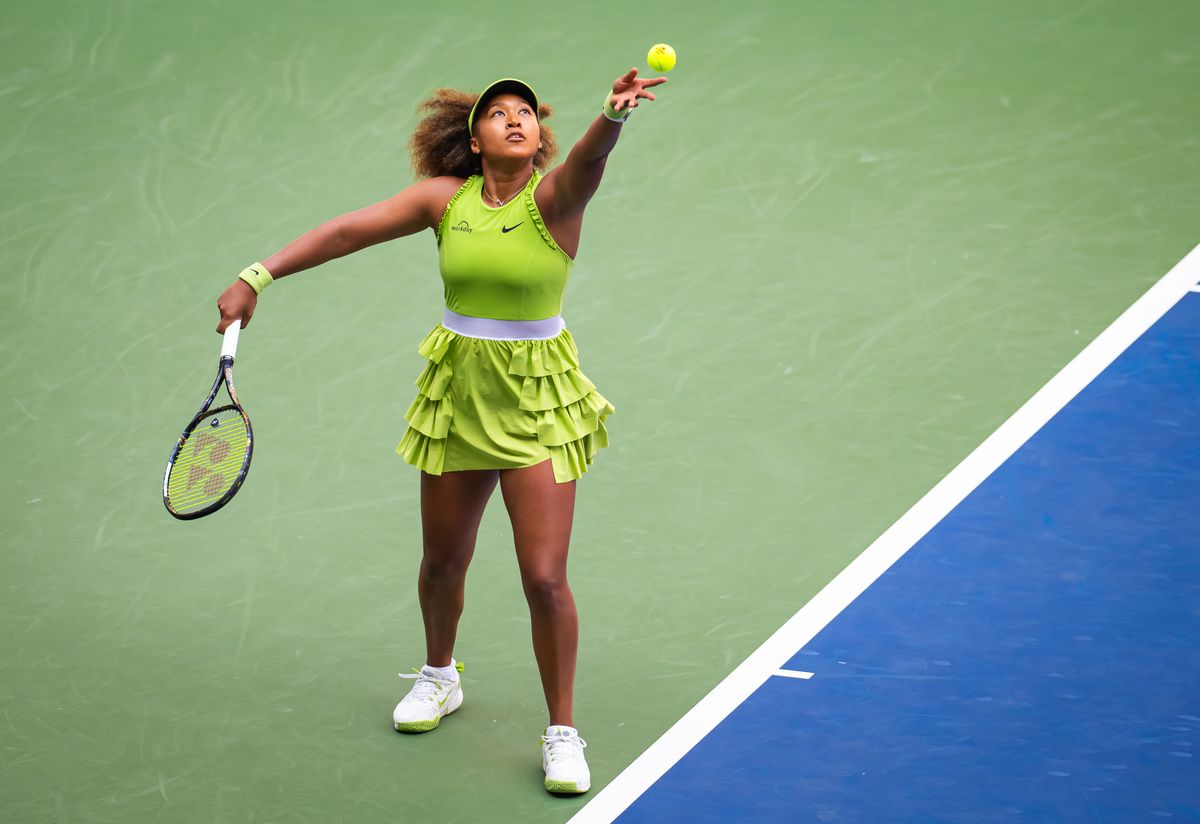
(568, 411)
(536, 216)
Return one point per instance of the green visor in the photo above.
(508, 85)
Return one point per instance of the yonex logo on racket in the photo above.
(214, 482)
(218, 450)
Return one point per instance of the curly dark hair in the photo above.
(441, 144)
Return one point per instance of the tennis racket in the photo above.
(212, 457)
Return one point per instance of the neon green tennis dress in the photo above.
(487, 403)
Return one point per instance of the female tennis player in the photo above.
(501, 398)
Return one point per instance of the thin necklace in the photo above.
(500, 202)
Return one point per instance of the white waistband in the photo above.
(496, 329)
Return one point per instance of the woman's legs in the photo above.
(541, 512)
(452, 506)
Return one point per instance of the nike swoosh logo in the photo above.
(442, 703)
(506, 229)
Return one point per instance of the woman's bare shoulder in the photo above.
(444, 183)
(439, 190)
(433, 194)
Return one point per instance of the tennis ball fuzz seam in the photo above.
(661, 57)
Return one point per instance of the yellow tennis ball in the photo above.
(661, 58)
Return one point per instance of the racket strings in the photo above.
(210, 461)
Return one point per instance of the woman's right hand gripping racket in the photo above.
(211, 460)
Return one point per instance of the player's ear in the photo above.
(474, 146)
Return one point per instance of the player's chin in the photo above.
(519, 149)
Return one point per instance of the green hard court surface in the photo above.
(848, 241)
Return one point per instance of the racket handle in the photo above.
(229, 347)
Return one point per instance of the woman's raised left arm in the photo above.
(570, 186)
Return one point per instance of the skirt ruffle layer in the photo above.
(564, 408)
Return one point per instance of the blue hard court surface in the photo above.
(1032, 658)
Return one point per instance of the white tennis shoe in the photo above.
(562, 760)
(429, 701)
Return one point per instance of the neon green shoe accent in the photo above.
(563, 787)
(418, 726)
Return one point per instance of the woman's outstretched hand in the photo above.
(629, 87)
(236, 302)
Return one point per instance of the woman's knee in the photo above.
(548, 592)
(444, 566)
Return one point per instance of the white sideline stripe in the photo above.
(890, 546)
(793, 674)
(1194, 289)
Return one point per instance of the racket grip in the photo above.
(229, 346)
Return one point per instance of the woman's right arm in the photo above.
(417, 207)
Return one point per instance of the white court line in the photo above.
(793, 674)
(768, 659)
(1195, 289)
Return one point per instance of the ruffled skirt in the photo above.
(503, 404)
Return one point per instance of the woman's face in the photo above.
(507, 129)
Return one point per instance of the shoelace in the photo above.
(425, 687)
(555, 751)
